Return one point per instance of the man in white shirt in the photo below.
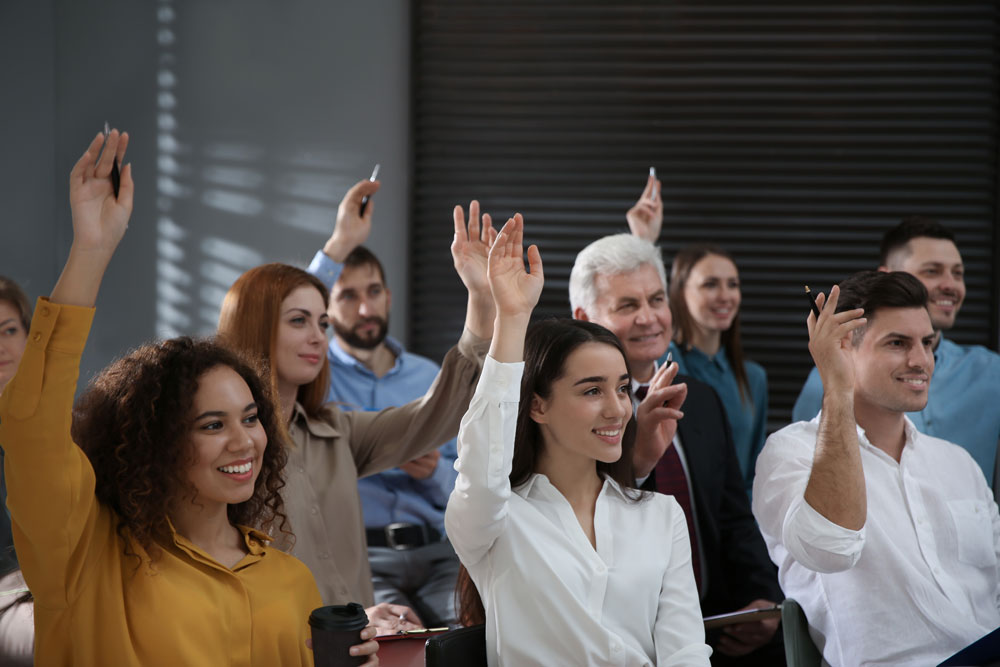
(887, 537)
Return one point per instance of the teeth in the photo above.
(917, 382)
(945, 302)
(237, 470)
(608, 433)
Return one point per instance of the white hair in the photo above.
(611, 255)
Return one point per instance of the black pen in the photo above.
(812, 303)
(364, 200)
(116, 177)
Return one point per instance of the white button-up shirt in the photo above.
(918, 582)
(550, 597)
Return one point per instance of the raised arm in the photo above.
(352, 228)
(99, 220)
(645, 218)
(57, 519)
(477, 509)
(836, 487)
(470, 250)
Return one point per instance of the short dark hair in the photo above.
(912, 227)
(362, 256)
(875, 290)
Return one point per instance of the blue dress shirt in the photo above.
(747, 419)
(962, 403)
(391, 496)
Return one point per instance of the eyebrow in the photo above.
(301, 310)
(599, 378)
(221, 413)
(895, 335)
(7, 321)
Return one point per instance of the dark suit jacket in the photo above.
(738, 567)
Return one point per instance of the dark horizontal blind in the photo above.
(793, 134)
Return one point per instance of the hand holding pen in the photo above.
(352, 227)
(645, 218)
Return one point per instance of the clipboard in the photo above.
(405, 649)
(744, 616)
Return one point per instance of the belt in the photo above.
(402, 535)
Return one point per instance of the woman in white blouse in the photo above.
(575, 566)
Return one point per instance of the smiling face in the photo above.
(938, 265)
(712, 293)
(588, 407)
(634, 307)
(300, 344)
(895, 360)
(12, 340)
(227, 440)
(359, 307)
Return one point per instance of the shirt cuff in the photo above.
(325, 269)
(473, 347)
(502, 380)
(825, 546)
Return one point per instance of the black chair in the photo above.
(800, 651)
(465, 647)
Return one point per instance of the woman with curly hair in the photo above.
(142, 528)
(278, 313)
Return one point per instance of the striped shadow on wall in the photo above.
(793, 134)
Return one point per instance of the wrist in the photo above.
(337, 249)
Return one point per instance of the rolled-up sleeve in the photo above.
(784, 516)
(477, 509)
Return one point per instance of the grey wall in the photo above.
(249, 120)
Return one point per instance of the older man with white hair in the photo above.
(620, 283)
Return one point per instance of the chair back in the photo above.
(800, 651)
(464, 646)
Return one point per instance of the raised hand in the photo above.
(645, 218)
(352, 228)
(656, 418)
(830, 341)
(471, 247)
(100, 220)
(515, 291)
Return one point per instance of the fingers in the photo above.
(664, 375)
(535, 262)
(404, 613)
(487, 234)
(82, 170)
(473, 220)
(106, 161)
(459, 215)
(122, 145)
(368, 648)
(126, 188)
(360, 190)
(647, 192)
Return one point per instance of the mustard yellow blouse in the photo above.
(95, 605)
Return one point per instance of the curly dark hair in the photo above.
(133, 422)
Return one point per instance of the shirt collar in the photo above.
(610, 486)
(339, 354)
(720, 359)
(317, 427)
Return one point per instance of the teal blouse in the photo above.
(747, 419)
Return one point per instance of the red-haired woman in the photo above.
(142, 532)
(277, 313)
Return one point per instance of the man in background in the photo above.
(961, 406)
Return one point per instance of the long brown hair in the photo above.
(548, 344)
(133, 423)
(684, 325)
(249, 320)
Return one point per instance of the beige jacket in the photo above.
(331, 453)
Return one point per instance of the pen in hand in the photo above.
(812, 302)
(116, 177)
